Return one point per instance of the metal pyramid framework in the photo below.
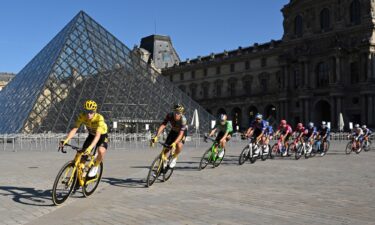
(84, 61)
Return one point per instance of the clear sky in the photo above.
(197, 27)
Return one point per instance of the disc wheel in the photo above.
(167, 172)
(348, 148)
(206, 159)
(154, 171)
(218, 160)
(274, 150)
(265, 153)
(91, 183)
(244, 155)
(367, 146)
(298, 153)
(64, 183)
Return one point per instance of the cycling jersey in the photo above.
(309, 132)
(269, 131)
(324, 131)
(258, 127)
(300, 130)
(357, 132)
(226, 128)
(177, 126)
(94, 125)
(367, 132)
(285, 130)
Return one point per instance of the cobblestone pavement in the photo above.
(335, 189)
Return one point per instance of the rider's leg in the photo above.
(178, 150)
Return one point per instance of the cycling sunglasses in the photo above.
(88, 111)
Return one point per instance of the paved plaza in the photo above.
(335, 189)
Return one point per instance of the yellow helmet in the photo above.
(178, 108)
(90, 105)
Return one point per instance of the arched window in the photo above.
(205, 89)
(232, 83)
(247, 82)
(322, 71)
(298, 26)
(193, 90)
(355, 12)
(325, 20)
(218, 87)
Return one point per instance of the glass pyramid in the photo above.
(84, 61)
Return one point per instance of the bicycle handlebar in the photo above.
(209, 138)
(72, 146)
(164, 145)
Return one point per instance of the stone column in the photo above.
(338, 70)
(363, 109)
(369, 71)
(370, 109)
(306, 74)
(333, 112)
(307, 114)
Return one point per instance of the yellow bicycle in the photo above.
(75, 171)
(160, 166)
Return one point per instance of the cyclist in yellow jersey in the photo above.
(97, 129)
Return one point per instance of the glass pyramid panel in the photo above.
(84, 61)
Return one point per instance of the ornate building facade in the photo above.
(324, 65)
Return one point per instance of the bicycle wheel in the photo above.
(244, 155)
(264, 154)
(206, 159)
(167, 172)
(367, 146)
(359, 150)
(64, 183)
(348, 148)
(218, 160)
(252, 157)
(154, 171)
(274, 150)
(298, 153)
(91, 183)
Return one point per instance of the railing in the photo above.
(118, 141)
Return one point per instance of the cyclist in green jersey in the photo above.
(225, 131)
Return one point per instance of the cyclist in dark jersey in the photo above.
(178, 133)
(225, 131)
(257, 129)
(309, 136)
(322, 136)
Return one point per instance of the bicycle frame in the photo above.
(80, 166)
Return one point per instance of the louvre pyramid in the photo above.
(84, 61)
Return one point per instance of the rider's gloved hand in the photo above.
(63, 143)
(153, 140)
(173, 145)
(87, 151)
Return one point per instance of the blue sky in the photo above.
(197, 27)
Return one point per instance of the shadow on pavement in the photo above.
(129, 182)
(27, 196)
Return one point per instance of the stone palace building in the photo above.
(324, 65)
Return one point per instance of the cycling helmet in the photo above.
(178, 108)
(324, 124)
(299, 125)
(311, 125)
(90, 105)
(283, 122)
(364, 126)
(258, 116)
(357, 125)
(223, 117)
